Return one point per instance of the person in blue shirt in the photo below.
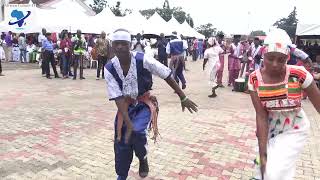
(200, 49)
(48, 56)
(176, 48)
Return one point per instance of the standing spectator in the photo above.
(65, 46)
(103, 49)
(48, 56)
(30, 52)
(8, 46)
(22, 46)
(79, 46)
(69, 39)
(195, 50)
(200, 49)
(161, 45)
(234, 59)
(221, 59)
(2, 54)
(41, 38)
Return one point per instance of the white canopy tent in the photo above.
(175, 25)
(133, 22)
(308, 29)
(104, 21)
(157, 25)
(190, 32)
(66, 14)
(76, 19)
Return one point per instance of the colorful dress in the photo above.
(212, 54)
(134, 87)
(220, 70)
(234, 63)
(288, 123)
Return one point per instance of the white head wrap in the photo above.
(277, 41)
(121, 35)
(212, 41)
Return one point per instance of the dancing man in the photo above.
(129, 81)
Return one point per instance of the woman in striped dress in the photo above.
(276, 93)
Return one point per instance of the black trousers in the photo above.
(43, 69)
(78, 60)
(0, 67)
(102, 60)
(48, 58)
(163, 60)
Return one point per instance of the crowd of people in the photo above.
(279, 77)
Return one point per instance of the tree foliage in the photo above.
(289, 24)
(207, 30)
(166, 12)
(118, 11)
(257, 33)
(98, 5)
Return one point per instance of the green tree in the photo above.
(207, 30)
(257, 33)
(219, 33)
(98, 5)
(289, 24)
(117, 11)
(166, 12)
(148, 12)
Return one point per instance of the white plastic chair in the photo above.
(93, 61)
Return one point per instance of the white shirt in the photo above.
(213, 52)
(41, 37)
(130, 82)
(236, 50)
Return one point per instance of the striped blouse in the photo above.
(285, 95)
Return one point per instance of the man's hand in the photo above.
(190, 105)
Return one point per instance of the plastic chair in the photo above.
(93, 61)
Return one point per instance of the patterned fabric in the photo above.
(284, 95)
(102, 47)
(234, 58)
(129, 83)
(288, 123)
(277, 41)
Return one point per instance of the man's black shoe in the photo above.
(143, 168)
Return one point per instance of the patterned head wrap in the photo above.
(277, 41)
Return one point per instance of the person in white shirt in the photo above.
(41, 38)
(129, 82)
(211, 57)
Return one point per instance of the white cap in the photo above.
(121, 35)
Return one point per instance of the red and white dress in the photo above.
(288, 123)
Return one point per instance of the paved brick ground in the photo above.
(63, 129)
